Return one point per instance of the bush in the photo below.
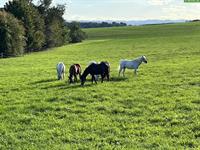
(12, 40)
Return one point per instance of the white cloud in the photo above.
(154, 9)
(182, 11)
(119, 1)
(159, 2)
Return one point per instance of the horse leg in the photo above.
(102, 77)
(70, 78)
(79, 75)
(135, 72)
(63, 75)
(94, 79)
(120, 70)
(123, 72)
(108, 74)
(75, 78)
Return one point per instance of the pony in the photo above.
(131, 64)
(107, 63)
(60, 70)
(95, 69)
(74, 70)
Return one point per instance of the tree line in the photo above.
(101, 24)
(26, 27)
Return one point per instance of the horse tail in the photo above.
(120, 64)
(118, 68)
(63, 68)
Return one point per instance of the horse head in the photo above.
(83, 79)
(70, 79)
(144, 59)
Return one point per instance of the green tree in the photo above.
(33, 22)
(12, 40)
(75, 34)
(55, 30)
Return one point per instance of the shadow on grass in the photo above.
(44, 81)
(66, 85)
(117, 79)
(88, 83)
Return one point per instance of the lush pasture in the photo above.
(158, 109)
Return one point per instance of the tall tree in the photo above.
(12, 40)
(55, 30)
(33, 22)
(75, 34)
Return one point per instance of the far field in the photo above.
(158, 109)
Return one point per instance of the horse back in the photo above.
(61, 67)
(77, 68)
(98, 68)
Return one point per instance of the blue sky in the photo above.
(127, 9)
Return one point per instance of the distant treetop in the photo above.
(101, 24)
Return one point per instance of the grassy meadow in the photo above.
(158, 109)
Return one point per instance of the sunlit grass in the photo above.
(158, 109)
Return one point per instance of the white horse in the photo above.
(60, 70)
(131, 64)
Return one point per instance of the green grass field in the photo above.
(158, 109)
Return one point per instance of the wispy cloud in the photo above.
(182, 11)
(159, 2)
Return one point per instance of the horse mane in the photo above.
(92, 62)
(137, 59)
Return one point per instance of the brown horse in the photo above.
(74, 70)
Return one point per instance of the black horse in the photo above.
(93, 69)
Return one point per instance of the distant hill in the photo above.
(137, 22)
(144, 22)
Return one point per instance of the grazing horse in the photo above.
(95, 69)
(60, 70)
(107, 63)
(94, 62)
(131, 64)
(74, 70)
